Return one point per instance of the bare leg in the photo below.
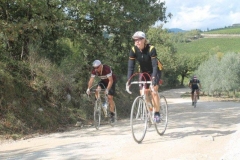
(111, 103)
(198, 93)
(192, 94)
(147, 95)
(156, 99)
(97, 93)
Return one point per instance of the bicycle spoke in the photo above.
(138, 120)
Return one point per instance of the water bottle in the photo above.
(105, 109)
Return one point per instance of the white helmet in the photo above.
(96, 63)
(139, 34)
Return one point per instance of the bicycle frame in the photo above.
(99, 108)
(150, 109)
(100, 96)
(142, 111)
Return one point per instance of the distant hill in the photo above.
(175, 30)
(227, 30)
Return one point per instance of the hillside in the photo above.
(175, 30)
(208, 45)
(208, 35)
(219, 40)
(229, 30)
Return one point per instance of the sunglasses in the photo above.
(96, 67)
(137, 40)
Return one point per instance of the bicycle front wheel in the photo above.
(138, 119)
(162, 126)
(97, 113)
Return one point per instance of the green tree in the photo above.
(166, 51)
(103, 29)
(230, 71)
(117, 20)
(96, 29)
(47, 48)
(208, 74)
(220, 74)
(30, 21)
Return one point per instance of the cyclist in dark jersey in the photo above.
(108, 82)
(147, 60)
(194, 84)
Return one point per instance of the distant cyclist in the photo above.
(108, 82)
(194, 84)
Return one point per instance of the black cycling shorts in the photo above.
(147, 77)
(195, 88)
(104, 85)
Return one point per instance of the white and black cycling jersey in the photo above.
(104, 74)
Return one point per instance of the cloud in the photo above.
(234, 17)
(202, 14)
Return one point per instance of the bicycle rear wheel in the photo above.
(162, 126)
(138, 119)
(97, 113)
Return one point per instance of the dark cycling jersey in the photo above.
(147, 61)
(105, 73)
(194, 83)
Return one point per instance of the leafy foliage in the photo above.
(220, 74)
(166, 53)
(192, 50)
(47, 48)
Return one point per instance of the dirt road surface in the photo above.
(209, 132)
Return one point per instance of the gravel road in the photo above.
(209, 132)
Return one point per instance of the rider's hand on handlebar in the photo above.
(127, 88)
(106, 91)
(154, 81)
(88, 91)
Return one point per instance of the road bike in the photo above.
(102, 110)
(142, 112)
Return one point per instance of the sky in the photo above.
(202, 14)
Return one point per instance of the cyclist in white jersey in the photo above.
(108, 82)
